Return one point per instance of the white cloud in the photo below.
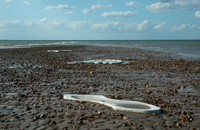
(51, 23)
(57, 21)
(26, 22)
(7, 0)
(132, 3)
(197, 14)
(26, 2)
(174, 5)
(59, 7)
(17, 24)
(183, 26)
(30, 24)
(62, 24)
(119, 14)
(189, 16)
(1, 24)
(96, 6)
(106, 25)
(119, 26)
(110, 5)
(160, 25)
(70, 12)
(85, 11)
(42, 20)
(0, 16)
(129, 26)
(80, 24)
(142, 25)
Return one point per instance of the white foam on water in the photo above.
(123, 105)
(99, 61)
(59, 50)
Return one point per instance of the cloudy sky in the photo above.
(99, 19)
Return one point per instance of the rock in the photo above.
(99, 121)
(89, 115)
(179, 125)
(125, 118)
(148, 91)
(53, 122)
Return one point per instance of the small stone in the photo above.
(99, 112)
(148, 91)
(89, 116)
(80, 122)
(125, 118)
(27, 108)
(53, 122)
(178, 125)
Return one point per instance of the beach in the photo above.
(34, 80)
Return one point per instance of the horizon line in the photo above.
(98, 40)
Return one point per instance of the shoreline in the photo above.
(32, 89)
(173, 55)
(185, 49)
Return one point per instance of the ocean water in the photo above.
(185, 48)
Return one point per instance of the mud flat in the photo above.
(33, 82)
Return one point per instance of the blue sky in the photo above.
(99, 19)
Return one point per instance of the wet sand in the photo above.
(33, 81)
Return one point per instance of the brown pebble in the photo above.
(99, 112)
(125, 118)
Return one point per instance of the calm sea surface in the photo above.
(187, 48)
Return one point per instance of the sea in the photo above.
(185, 48)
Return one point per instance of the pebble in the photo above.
(89, 115)
(99, 121)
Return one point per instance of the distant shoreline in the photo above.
(182, 48)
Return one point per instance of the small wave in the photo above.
(139, 45)
(154, 47)
(12, 47)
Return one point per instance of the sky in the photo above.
(99, 19)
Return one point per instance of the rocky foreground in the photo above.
(33, 81)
